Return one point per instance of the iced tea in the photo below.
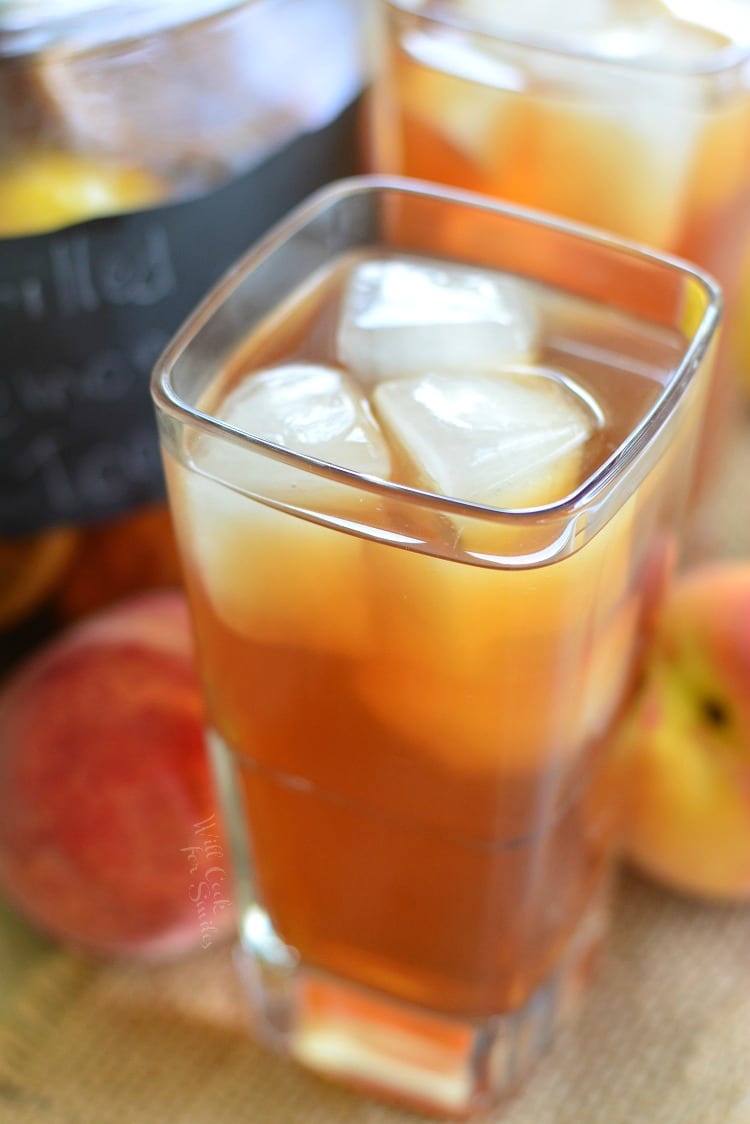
(423, 548)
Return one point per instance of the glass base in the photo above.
(440, 1064)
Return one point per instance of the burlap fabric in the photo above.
(664, 1037)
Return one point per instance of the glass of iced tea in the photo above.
(632, 115)
(426, 479)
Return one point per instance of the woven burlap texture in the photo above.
(663, 1038)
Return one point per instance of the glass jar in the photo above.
(142, 145)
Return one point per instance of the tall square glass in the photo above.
(629, 117)
(413, 755)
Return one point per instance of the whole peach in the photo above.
(685, 745)
(108, 830)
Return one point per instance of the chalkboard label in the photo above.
(84, 313)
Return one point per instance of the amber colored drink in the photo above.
(426, 731)
(415, 643)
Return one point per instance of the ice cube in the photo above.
(617, 150)
(272, 577)
(467, 653)
(538, 17)
(265, 570)
(400, 318)
(510, 440)
(463, 653)
(615, 146)
(657, 121)
(306, 408)
(457, 96)
(607, 672)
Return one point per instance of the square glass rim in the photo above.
(170, 404)
(731, 61)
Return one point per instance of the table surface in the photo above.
(20, 948)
